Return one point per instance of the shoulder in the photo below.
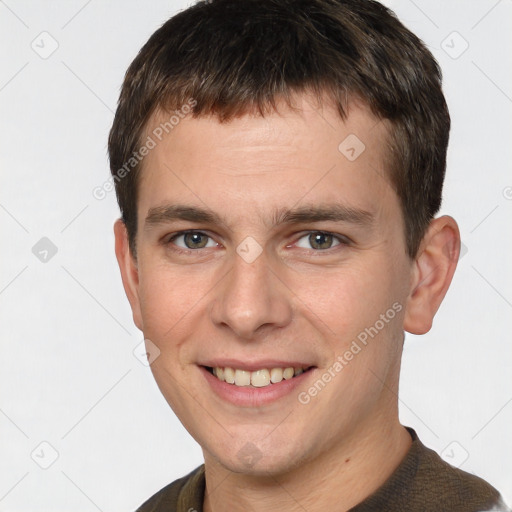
(449, 482)
(181, 495)
(425, 482)
(440, 485)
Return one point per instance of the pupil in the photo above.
(193, 241)
(320, 240)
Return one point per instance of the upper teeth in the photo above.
(258, 379)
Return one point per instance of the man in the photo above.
(278, 165)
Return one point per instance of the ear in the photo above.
(129, 270)
(434, 267)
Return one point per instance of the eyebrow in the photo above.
(331, 212)
(302, 215)
(171, 212)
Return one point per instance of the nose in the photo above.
(252, 300)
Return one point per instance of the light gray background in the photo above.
(68, 375)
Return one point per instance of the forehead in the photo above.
(306, 153)
(304, 114)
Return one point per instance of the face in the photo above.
(267, 243)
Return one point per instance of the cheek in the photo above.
(170, 302)
(342, 302)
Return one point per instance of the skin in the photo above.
(293, 302)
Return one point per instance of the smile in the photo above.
(258, 379)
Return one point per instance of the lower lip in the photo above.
(249, 396)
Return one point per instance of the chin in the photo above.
(256, 460)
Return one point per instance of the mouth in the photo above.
(261, 378)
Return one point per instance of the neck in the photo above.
(345, 475)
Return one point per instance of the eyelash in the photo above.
(341, 239)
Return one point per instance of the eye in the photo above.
(319, 240)
(192, 240)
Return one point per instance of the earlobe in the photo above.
(129, 270)
(433, 271)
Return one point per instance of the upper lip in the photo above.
(252, 366)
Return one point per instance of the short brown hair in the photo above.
(236, 56)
